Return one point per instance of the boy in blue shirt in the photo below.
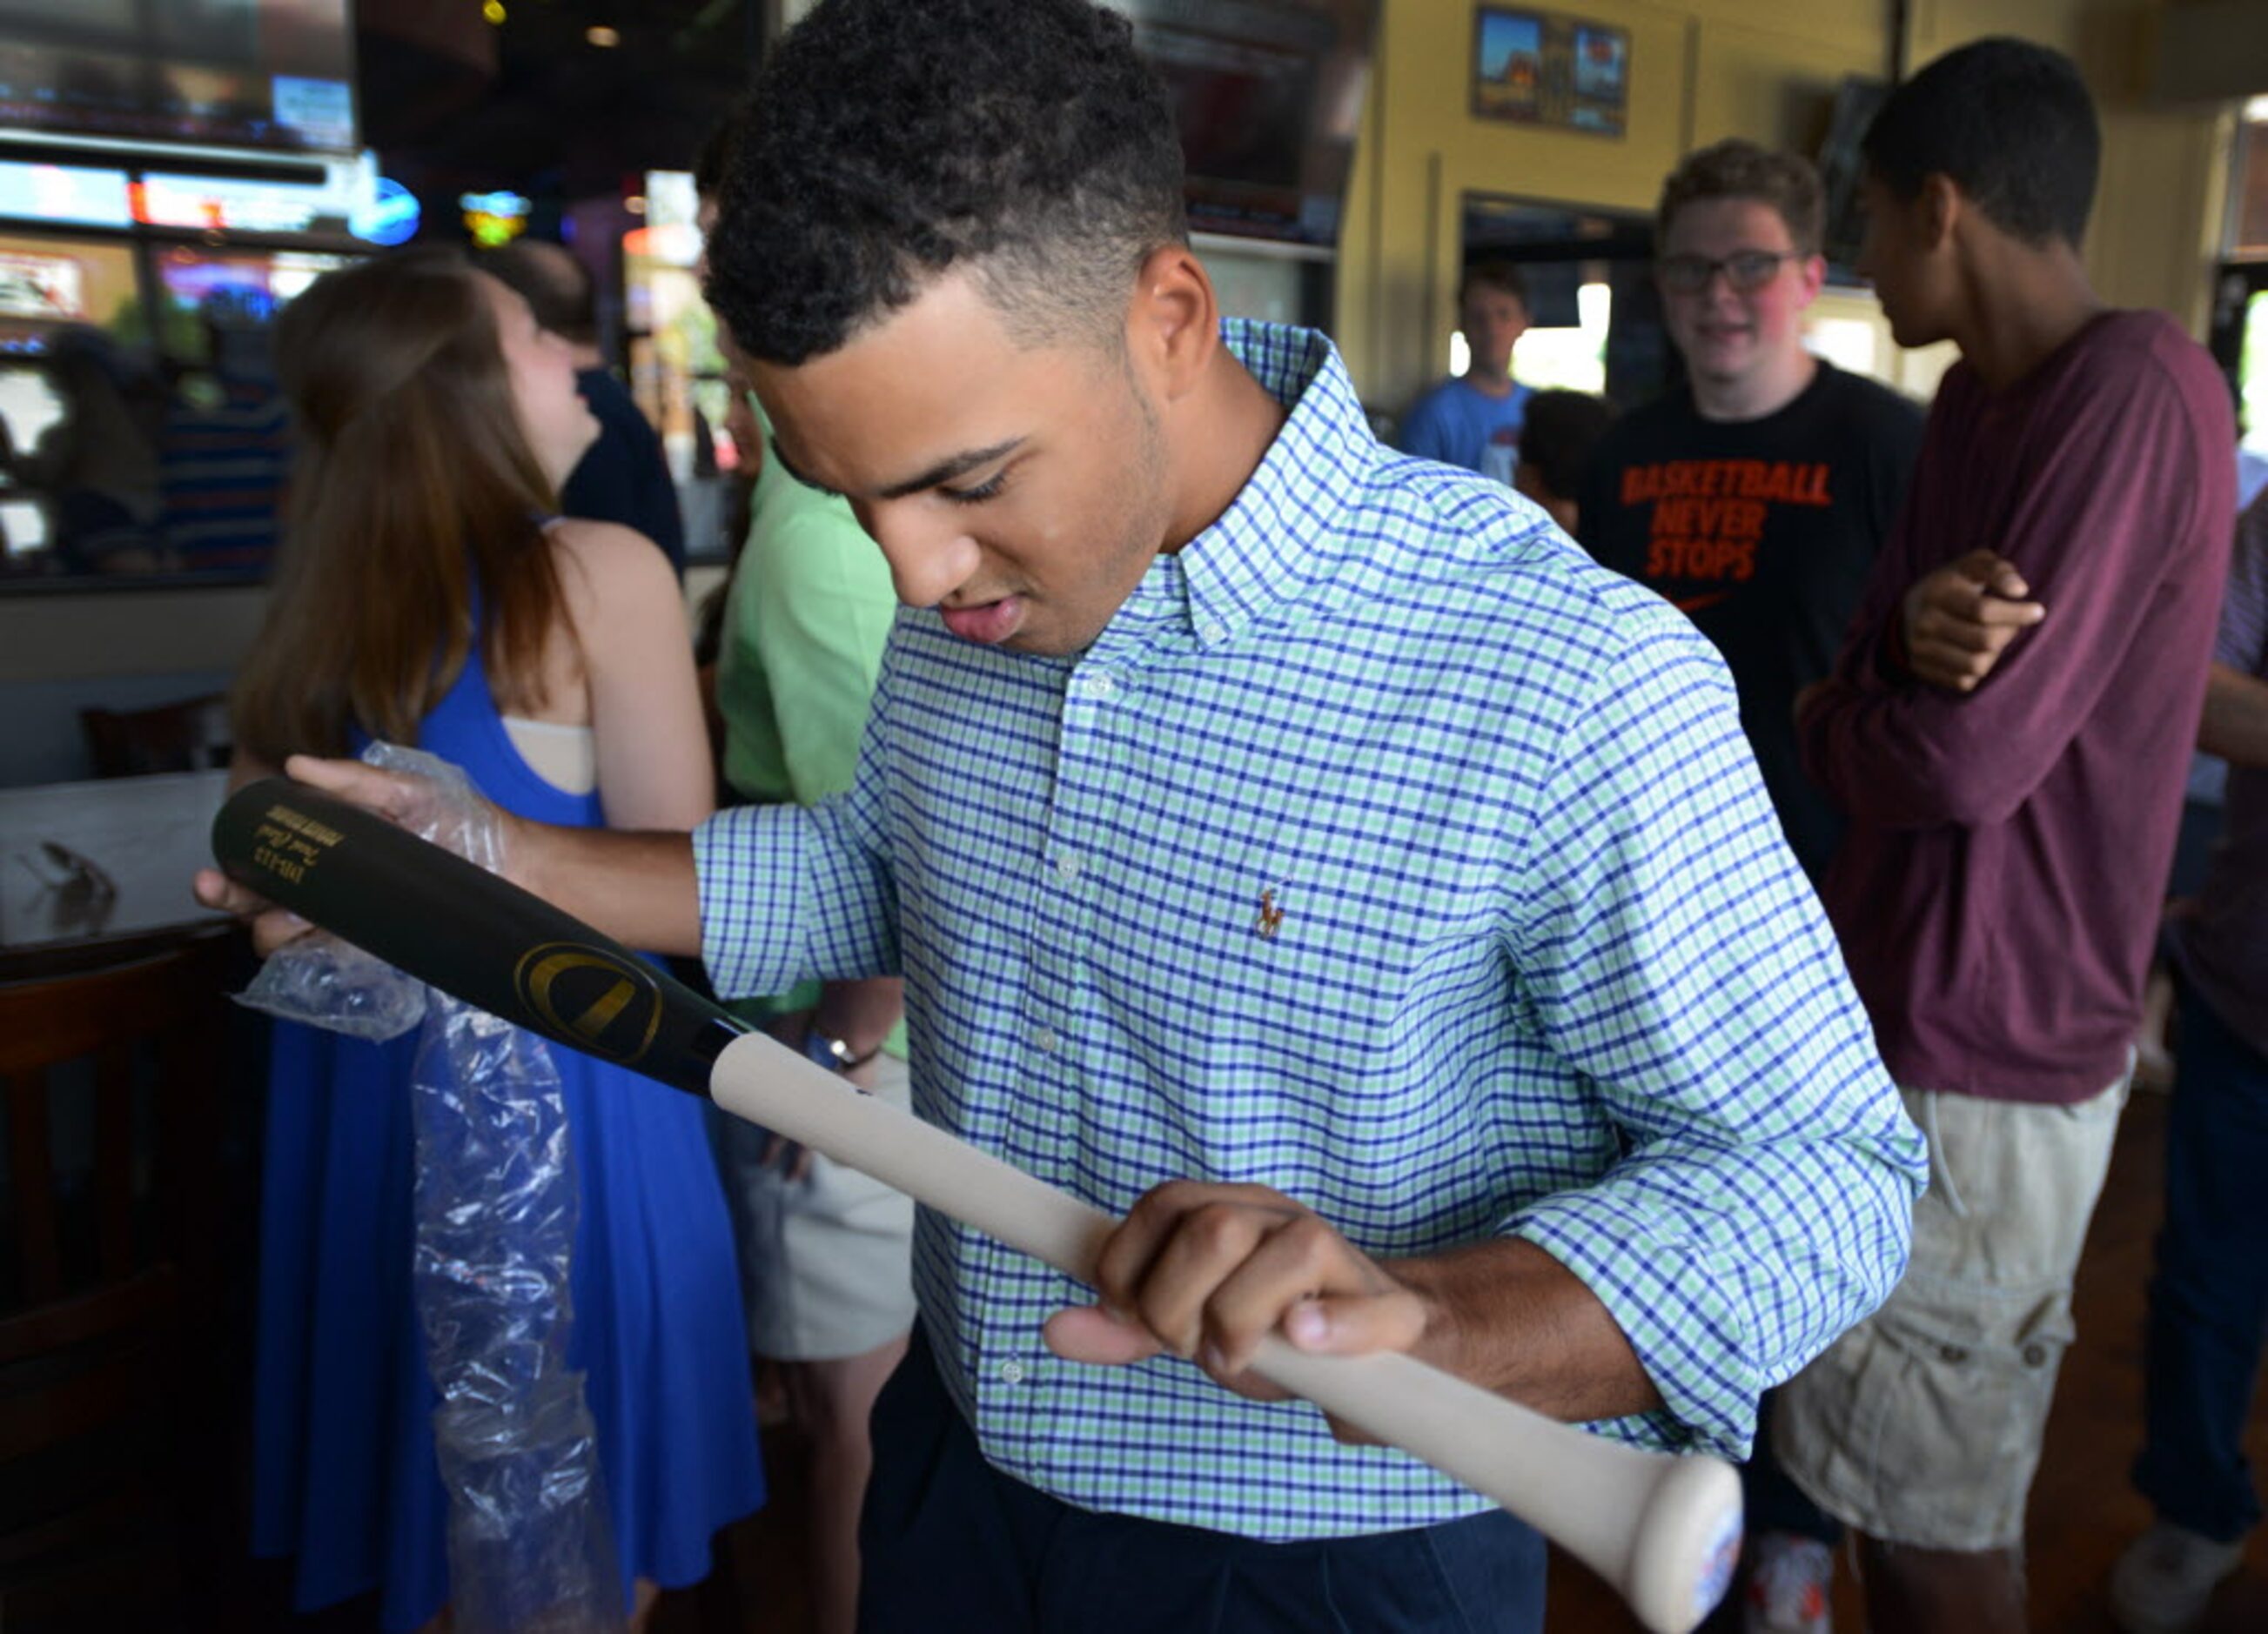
(1473, 419)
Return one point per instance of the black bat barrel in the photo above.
(428, 911)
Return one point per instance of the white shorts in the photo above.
(825, 1261)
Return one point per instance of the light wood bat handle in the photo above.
(1663, 1530)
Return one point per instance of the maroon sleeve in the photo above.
(2122, 501)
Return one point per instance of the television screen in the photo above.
(236, 73)
(1267, 95)
(71, 193)
(220, 203)
(1857, 101)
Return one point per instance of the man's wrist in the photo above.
(1505, 1314)
(1447, 1341)
(520, 845)
(836, 1053)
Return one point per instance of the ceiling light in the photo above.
(493, 10)
(602, 36)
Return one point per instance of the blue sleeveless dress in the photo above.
(344, 1474)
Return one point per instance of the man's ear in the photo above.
(1812, 276)
(1172, 323)
(1937, 210)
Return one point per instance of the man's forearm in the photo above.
(638, 887)
(2236, 724)
(1508, 1317)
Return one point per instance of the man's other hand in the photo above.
(1959, 620)
(1208, 1271)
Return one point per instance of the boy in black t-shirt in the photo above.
(1755, 496)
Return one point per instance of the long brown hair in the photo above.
(414, 500)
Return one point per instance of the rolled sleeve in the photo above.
(1618, 1252)
(792, 893)
(1675, 955)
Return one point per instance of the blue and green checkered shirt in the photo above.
(1386, 850)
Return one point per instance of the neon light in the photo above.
(392, 217)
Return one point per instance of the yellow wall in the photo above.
(1701, 71)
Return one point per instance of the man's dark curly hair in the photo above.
(715, 157)
(2010, 123)
(889, 141)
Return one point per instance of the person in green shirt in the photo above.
(825, 1252)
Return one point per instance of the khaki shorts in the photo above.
(825, 1261)
(1922, 1425)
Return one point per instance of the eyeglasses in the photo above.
(1746, 271)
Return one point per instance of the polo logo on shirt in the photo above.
(1271, 917)
(1709, 515)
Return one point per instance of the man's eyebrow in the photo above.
(946, 470)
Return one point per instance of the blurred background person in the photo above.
(2209, 1298)
(1473, 419)
(425, 599)
(1556, 445)
(826, 1252)
(98, 464)
(624, 476)
(224, 453)
(2202, 802)
(1755, 496)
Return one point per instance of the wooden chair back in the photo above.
(191, 735)
(111, 1083)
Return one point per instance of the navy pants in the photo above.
(2210, 1296)
(949, 1543)
(1774, 1503)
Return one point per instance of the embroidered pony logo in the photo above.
(1271, 917)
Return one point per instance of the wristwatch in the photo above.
(833, 1054)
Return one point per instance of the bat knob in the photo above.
(1687, 1544)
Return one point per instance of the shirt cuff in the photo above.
(1670, 1303)
(746, 861)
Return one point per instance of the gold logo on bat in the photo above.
(608, 1005)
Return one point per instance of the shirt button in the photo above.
(1047, 1040)
(1952, 1354)
(1067, 867)
(1212, 631)
(1011, 1373)
(1102, 686)
(2035, 1355)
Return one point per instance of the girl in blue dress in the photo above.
(423, 598)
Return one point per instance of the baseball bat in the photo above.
(1663, 1530)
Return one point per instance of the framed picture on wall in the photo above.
(1539, 68)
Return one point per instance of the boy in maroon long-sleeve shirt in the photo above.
(2007, 730)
